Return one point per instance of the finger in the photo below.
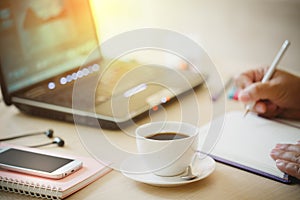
(242, 81)
(260, 107)
(268, 109)
(257, 91)
(288, 147)
(247, 78)
(289, 156)
(290, 168)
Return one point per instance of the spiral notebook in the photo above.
(51, 188)
(246, 143)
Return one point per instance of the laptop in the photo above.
(46, 68)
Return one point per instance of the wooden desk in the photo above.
(225, 183)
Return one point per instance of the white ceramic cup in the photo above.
(167, 157)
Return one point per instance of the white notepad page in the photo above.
(249, 140)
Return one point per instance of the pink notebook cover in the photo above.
(58, 188)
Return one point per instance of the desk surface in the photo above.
(225, 183)
(241, 35)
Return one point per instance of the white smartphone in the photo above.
(38, 164)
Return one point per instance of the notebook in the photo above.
(50, 188)
(48, 46)
(246, 143)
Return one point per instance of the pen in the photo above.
(270, 71)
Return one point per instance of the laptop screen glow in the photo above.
(44, 38)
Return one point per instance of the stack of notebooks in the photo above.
(50, 188)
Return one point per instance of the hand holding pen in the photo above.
(276, 97)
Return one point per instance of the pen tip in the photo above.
(247, 111)
(286, 43)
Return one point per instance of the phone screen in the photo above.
(34, 161)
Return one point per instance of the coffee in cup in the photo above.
(167, 148)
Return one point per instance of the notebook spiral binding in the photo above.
(29, 189)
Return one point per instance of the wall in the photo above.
(237, 35)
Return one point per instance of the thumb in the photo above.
(257, 91)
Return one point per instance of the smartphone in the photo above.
(39, 164)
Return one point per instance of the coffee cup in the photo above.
(167, 148)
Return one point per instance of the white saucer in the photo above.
(203, 167)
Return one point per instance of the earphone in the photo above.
(57, 140)
(49, 133)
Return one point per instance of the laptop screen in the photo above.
(44, 38)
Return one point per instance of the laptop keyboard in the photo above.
(116, 81)
(110, 96)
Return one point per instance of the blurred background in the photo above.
(236, 34)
